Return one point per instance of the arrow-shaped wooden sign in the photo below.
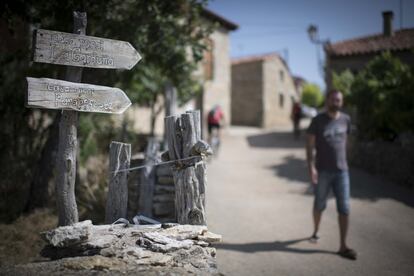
(84, 51)
(58, 94)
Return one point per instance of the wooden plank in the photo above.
(58, 94)
(84, 51)
(119, 161)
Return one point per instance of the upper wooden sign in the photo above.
(84, 51)
(58, 94)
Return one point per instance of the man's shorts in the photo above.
(211, 126)
(339, 182)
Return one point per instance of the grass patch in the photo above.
(20, 241)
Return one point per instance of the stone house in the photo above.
(214, 73)
(216, 69)
(299, 83)
(263, 91)
(354, 54)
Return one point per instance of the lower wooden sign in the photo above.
(58, 94)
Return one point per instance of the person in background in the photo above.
(295, 116)
(214, 120)
(327, 135)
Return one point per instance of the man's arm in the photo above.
(310, 146)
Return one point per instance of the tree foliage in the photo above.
(168, 34)
(383, 94)
(343, 82)
(312, 95)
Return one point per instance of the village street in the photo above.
(259, 199)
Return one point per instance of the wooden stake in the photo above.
(147, 178)
(66, 158)
(117, 201)
(182, 134)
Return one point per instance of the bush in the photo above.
(383, 94)
(312, 95)
(343, 82)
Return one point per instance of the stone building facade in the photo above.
(217, 88)
(215, 74)
(263, 91)
(354, 54)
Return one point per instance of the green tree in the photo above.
(343, 82)
(383, 94)
(312, 95)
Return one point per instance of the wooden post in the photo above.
(117, 201)
(76, 49)
(170, 97)
(66, 158)
(183, 133)
(147, 178)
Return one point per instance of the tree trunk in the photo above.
(154, 116)
(66, 159)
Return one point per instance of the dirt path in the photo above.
(259, 200)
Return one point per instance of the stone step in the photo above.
(163, 209)
(165, 180)
(163, 170)
(162, 189)
(164, 198)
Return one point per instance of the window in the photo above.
(208, 60)
(281, 75)
(281, 99)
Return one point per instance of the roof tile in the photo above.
(400, 40)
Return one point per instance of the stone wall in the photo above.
(163, 208)
(263, 92)
(246, 97)
(215, 91)
(394, 161)
(279, 91)
(124, 249)
(218, 89)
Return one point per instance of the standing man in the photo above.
(327, 134)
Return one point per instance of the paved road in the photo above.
(259, 199)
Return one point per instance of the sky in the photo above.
(267, 26)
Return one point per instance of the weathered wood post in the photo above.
(170, 96)
(68, 142)
(147, 178)
(117, 201)
(184, 141)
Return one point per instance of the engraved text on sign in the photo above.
(57, 94)
(81, 50)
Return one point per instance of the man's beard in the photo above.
(333, 108)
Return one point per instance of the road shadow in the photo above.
(276, 140)
(364, 186)
(292, 168)
(282, 246)
(373, 188)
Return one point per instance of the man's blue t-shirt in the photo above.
(330, 141)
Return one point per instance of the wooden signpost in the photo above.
(76, 51)
(57, 94)
(81, 50)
